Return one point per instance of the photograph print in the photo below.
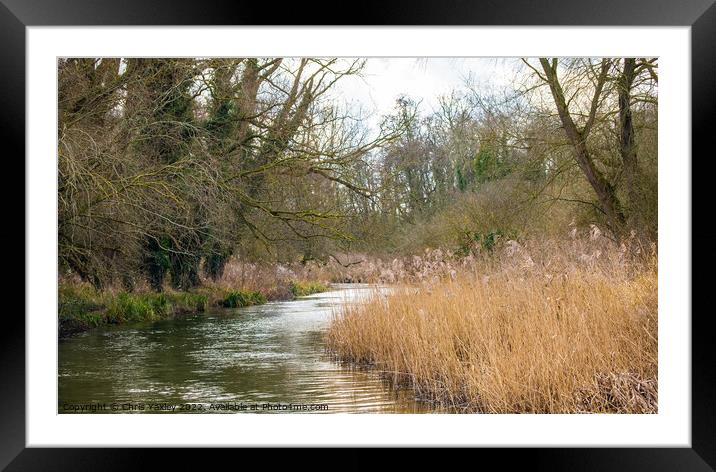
(357, 235)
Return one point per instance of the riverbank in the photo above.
(81, 307)
(565, 328)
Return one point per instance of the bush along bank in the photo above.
(81, 307)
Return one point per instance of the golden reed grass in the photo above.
(576, 335)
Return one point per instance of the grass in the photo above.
(81, 307)
(125, 307)
(545, 337)
(302, 289)
(235, 299)
(190, 301)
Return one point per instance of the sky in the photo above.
(383, 80)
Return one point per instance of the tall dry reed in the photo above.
(557, 327)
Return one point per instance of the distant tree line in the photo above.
(168, 167)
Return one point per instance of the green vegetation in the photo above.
(136, 307)
(82, 307)
(301, 289)
(236, 299)
(192, 302)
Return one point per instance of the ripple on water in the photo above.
(273, 353)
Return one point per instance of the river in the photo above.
(237, 360)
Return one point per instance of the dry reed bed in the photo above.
(574, 332)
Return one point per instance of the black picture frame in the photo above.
(700, 15)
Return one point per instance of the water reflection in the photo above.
(272, 353)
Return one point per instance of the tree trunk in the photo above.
(626, 128)
(606, 194)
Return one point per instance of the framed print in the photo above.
(443, 225)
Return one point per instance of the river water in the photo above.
(268, 358)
